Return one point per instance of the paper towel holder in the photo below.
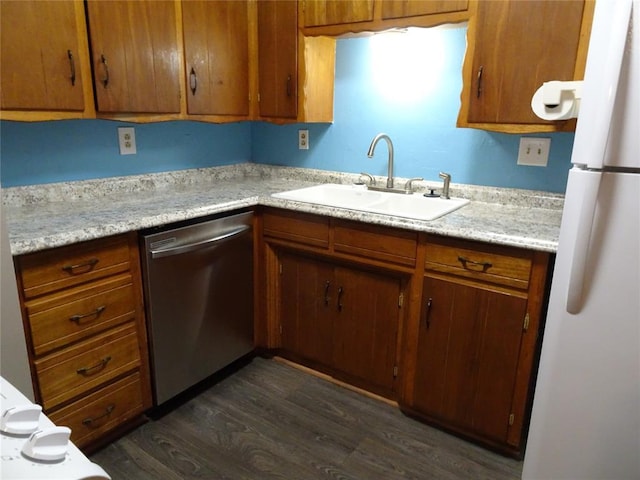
(557, 100)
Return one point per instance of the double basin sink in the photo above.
(358, 197)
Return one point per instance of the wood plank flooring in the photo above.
(272, 421)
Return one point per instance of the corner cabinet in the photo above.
(83, 313)
(514, 47)
(476, 339)
(295, 73)
(136, 56)
(45, 70)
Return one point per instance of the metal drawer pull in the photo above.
(96, 313)
(326, 292)
(98, 366)
(340, 292)
(105, 80)
(427, 316)
(466, 262)
(84, 267)
(193, 81)
(107, 411)
(72, 64)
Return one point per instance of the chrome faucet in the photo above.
(372, 147)
(447, 180)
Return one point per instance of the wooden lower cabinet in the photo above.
(84, 318)
(343, 318)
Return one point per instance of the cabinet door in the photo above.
(468, 349)
(366, 326)
(277, 58)
(40, 67)
(413, 8)
(334, 12)
(216, 46)
(517, 47)
(136, 60)
(307, 303)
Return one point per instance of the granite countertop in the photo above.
(52, 215)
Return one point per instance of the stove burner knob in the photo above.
(49, 444)
(21, 420)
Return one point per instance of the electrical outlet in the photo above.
(127, 140)
(303, 139)
(534, 151)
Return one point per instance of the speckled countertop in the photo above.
(52, 215)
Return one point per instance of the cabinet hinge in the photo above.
(258, 98)
(280, 268)
(512, 419)
(525, 327)
(400, 300)
(280, 329)
(395, 371)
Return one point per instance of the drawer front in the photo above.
(297, 227)
(486, 263)
(60, 320)
(380, 243)
(51, 270)
(87, 365)
(96, 414)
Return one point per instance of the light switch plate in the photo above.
(127, 140)
(534, 151)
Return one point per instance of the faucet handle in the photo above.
(372, 181)
(408, 187)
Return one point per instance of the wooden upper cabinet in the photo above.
(216, 43)
(44, 58)
(136, 57)
(514, 47)
(412, 8)
(332, 12)
(277, 58)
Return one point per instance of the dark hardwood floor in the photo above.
(270, 420)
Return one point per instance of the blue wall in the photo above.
(414, 99)
(419, 119)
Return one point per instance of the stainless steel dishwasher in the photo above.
(198, 282)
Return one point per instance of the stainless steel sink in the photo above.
(357, 197)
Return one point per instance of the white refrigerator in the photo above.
(585, 422)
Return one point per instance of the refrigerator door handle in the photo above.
(603, 69)
(580, 256)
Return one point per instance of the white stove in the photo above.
(32, 447)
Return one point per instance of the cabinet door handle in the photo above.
(466, 262)
(97, 367)
(72, 65)
(288, 85)
(340, 292)
(326, 292)
(96, 313)
(479, 84)
(427, 315)
(83, 267)
(105, 80)
(107, 411)
(193, 81)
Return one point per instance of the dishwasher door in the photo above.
(199, 300)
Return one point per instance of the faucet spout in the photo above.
(372, 148)
(447, 180)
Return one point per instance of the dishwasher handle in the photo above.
(191, 247)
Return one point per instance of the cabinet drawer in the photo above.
(101, 411)
(65, 318)
(87, 365)
(297, 227)
(51, 270)
(487, 263)
(371, 241)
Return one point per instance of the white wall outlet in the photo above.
(534, 151)
(127, 140)
(303, 139)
